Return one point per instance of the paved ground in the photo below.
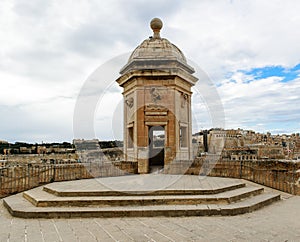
(278, 222)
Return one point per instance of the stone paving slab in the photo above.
(144, 184)
(279, 222)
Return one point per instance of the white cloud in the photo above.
(265, 101)
(224, 36)
(49, 48)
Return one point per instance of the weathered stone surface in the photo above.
(157, 83)
(140, 196)
(273, 223)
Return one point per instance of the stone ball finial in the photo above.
(156, 24)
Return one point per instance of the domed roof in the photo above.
(155, 48)
(156, 53)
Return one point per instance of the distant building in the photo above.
(242, 144)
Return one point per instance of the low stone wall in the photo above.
(18, 178)
(127, 166)
(284, 176)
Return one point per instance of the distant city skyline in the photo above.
(249, 49)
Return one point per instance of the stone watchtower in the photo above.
(157, 93)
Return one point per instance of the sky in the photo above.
(53, 52)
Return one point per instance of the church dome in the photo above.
(156, 53)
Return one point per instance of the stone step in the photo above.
(40, 198)
(18, 206)
(81, 192)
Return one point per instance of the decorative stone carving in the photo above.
(155, 95)
(184, 99)
(154, 107)
(129, 102)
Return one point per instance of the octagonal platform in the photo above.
(140, 196)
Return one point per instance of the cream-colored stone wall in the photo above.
(149, 101)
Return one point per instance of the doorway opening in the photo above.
(156, 146)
